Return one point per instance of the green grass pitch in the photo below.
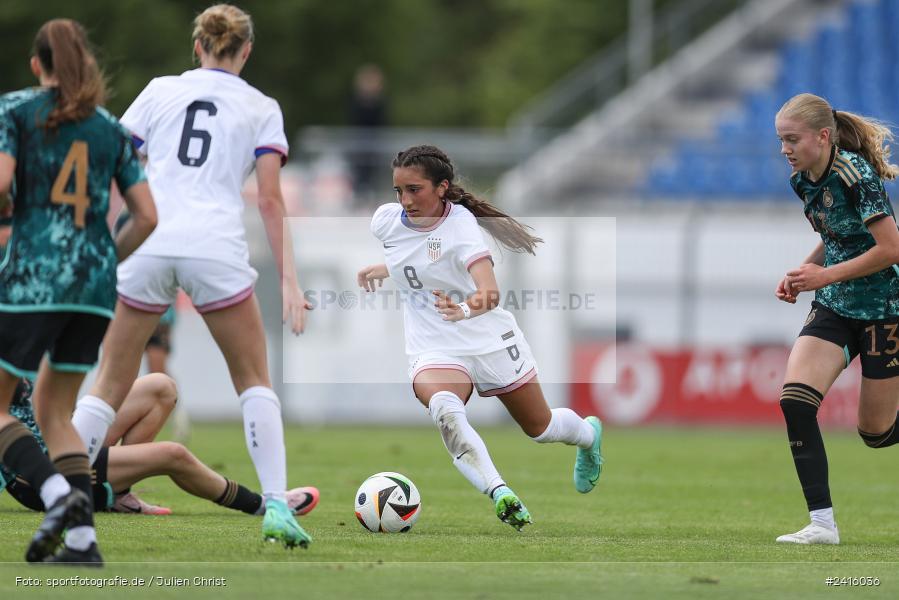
(679, 513)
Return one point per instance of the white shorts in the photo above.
(494, 373)
(150, 283)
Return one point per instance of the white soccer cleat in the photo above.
(812, 534)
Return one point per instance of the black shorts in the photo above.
(28, 497)
(71, 338)
(875, 342)
(161, 338)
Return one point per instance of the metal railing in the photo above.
(480, 155)
(600, 78)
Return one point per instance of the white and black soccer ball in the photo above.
(388, 503)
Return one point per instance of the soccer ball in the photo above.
(388, 502)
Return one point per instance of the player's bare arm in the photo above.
(142, 223)
(883, 254)
(485, 299)
(372, 276)
(271, 208)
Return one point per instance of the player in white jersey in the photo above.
(457, 335)
(202, 133)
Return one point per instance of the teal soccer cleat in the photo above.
(588, 465)
(509, 508)
(279, 525)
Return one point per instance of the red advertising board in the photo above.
(733, 385)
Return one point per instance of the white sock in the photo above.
(823, 517)
(465, 446)
(81, 537)
(565, 426)
(92, 419)
(54, 488)
(264, 432)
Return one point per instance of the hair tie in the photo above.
(834, 111)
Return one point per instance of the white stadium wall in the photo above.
(667, 278)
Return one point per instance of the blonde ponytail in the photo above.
(866, 136)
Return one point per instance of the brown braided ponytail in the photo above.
(437, 167)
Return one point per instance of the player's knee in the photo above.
(424, 393)
(164, 390)
(794, 407)
(445, 406)
(448, 413)
(175, 453)
(168, 392)
(885, 439)
(868, 438)
(798, 400)
(424, 399)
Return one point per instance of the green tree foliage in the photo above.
(447, 62)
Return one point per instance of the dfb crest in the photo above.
(433, 249)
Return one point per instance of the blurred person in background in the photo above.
(839, 162)
(367, 114)
(435, 251)
(203, 132)
(57, 280)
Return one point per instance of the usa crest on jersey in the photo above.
(433, 249)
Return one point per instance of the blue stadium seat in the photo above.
(860, 74)
(742, 176)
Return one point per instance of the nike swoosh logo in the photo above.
(390, 245)
(306, 502)
(463, 454)
(518, 370)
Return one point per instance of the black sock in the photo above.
(25, 495)
(240, 498)
(76, 469)
(799, 404)
(881, 440)
(21, 454)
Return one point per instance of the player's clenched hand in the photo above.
(295, 306)
(807, 278)
(448, 309)
(367, 277)
(784, 292)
